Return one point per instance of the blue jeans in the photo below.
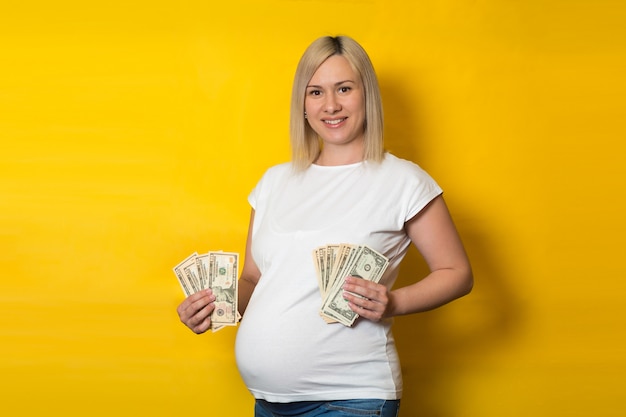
(344, 408)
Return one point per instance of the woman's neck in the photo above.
(335, 156)
(336, 160)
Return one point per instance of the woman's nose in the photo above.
(332, 105)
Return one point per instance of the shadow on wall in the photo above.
(438, 348)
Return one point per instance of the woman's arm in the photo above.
(250, 273)
(433, 232)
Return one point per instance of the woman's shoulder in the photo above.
(269, 179)
(275, 174)
(279, 169)
(400, 165)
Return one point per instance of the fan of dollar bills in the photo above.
(218, 271)
(335, 262)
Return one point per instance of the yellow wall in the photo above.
(132, 132)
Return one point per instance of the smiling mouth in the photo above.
(334, 122)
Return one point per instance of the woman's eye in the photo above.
(344, 89)
(314, 92)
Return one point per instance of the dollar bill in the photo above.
(216, 270)
(347, 253)
(343, 255)
(186, 279)
(193, 275)
(337, 259)
(222, 273)
(331, 255)
(202, 263)
(364, 263)
(318, 262)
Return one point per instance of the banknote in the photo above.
(345, 256)
(185, 279)
(331, 254)
(351, 260)
(326, 259)
(319, 263)
(216, 270)
(202, 263)
(331, 260)
(223, 270)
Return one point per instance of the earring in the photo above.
(305, 115)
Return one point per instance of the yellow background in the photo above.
(132, 132)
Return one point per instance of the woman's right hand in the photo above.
(195, 311)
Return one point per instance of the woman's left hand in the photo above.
(366, 298)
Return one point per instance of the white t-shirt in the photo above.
(285, 351)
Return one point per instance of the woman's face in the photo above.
(335, 103)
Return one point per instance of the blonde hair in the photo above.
(305, 143)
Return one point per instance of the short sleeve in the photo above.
(261, 191)
(253, 196)
(421, 189)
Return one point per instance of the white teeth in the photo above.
(334, 122)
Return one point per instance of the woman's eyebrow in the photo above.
(336, 84)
